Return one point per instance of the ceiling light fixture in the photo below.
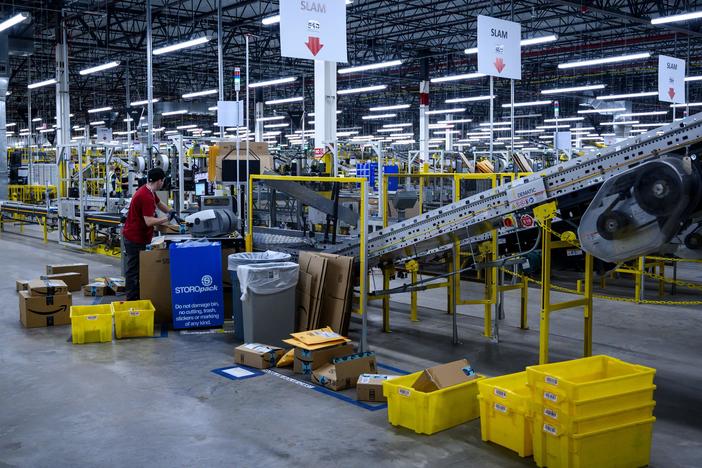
(99, 68)
(527, 104)
(605, 60)
(609, 110)
(626, 96)
(181, 45)
(39, 84)
(388, 108)
(469, 99)
(467, 76)
(573, 89)
(142, 103)
(372, 66)
(8, 23)
(206, 92)
(99, 109)
(284, 101)
(175, 112)
(675, 18)
(364, 89)
(277, 81)
(378, 116)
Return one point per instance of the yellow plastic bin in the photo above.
(586, 379)
(428, 413)
(504, 412)
(133, 318)
(91, 323)
(624, 445)
(582, 424)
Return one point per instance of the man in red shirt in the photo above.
(138, 228)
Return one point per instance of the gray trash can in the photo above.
(268, 300)
(247, 258)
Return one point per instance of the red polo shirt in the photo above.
(143, 203)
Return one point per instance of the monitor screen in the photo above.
(201, 189)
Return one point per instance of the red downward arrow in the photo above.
(671, 93)
(314, 45)
(500, 65)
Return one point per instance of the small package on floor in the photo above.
(257, 355)
(322, 336)
(44, 311)
(73, 280)
(369, 387)
(307, 360)
(343, 371)
(116, 284)
(47, 287)
(21, 285)
(97, 289)
(444, 376)
(80, 268)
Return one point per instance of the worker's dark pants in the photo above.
(131, 271)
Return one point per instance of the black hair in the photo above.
(156, 174)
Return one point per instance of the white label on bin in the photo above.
(550, 429)
(553, 414)
(551, 380)
(134, 313)
(500, 393)
(500, 408)
(550, 396)
(404, 392)
(91, 317)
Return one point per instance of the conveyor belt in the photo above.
(483, 212)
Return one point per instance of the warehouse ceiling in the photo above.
(378, 30)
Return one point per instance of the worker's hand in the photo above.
(172, 215)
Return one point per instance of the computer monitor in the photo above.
(201, 189)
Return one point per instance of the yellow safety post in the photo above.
(524, 320)
(45, 229)
(588, 310)
(387, 270)
(545, 214)
(638, 279)
(449, 289)
(413, 267)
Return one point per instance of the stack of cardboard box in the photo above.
(45, 303)
(75, 275)
(324, 292)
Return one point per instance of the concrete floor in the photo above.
(155, 402)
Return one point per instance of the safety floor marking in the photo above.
(316, 388)
(248, 370)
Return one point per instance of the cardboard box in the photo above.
(81, 268)
(307, 360)
(369, 387)
(44, 311)
(310, 289)
(226, 150)
(73, 280)
(257, 355)
(47, 287)
(97, 289)
(336, 304)
(445, 375)
(22, 285)
(343, 372)
(155, 282)
(116, 284)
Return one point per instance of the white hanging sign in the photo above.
(671, 79)
(499, 48)
(314, 30)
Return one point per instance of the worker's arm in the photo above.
(153, 221)
(163, 207)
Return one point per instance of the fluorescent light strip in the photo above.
(611, 110)
(626, 96)
(175, 112)
(181, 45)
(397, 125)
(311, 114)
(602, 61)
(378, 116)
(528, 132)
(674, 18)
(98, 122)
(207, 92)
(643, 114)
(39, 84)
(545, 127)
(693, 78)
(573, 89)
(469, 99)
(453, 110)
(270, 119)
(8, 23)
(495, 124)
(99, 68)
(186, 127)
(279, 125)
(523, 42)
(388, 108)
(142, 103)
(99, 109)
(372, 66)
(623, 122)
(365, 89)
(36, 119)
(455, 121)
(467, 76)
(566, 119)
(277, 81)
(527, 104)
(284, 101)
(689, 104)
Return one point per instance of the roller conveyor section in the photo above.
(575, 181)
(107, 219)
(26, 209)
